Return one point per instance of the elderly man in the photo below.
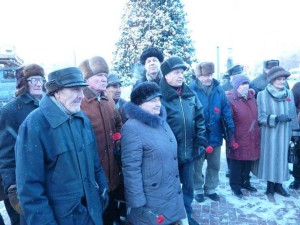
(113, 90)
(186, 119)
(59, 177)
(151, 58)
(30, 88)
(215, 104)
(106, 122)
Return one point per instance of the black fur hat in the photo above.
(144, 92)
(268, 64)
(236, 69)
(151, 52)
(171, 64)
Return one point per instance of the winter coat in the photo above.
(186, 119)
(150, 168)
(215, 106)
(11, 117)
(275, 136)
(106, 121)
(296, 94)
(227, 86)
(57, 167)
(247, 133)
(144, 78)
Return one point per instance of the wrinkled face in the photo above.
(152, 106)
(206, 80)
(175, 78)
(114, 91)
(70, 98)
(279, 82)
(152, 66)
(98, 82)
(35, 85)
(243, 88)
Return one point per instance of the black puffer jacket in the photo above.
(186, 119)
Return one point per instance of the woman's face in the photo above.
(152, 106)
(279, 82)
(243, 88)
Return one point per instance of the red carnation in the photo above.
(235, 145)
(116, 136)
(209, 149)
(160, 219)
(288, 99)
(216, 110)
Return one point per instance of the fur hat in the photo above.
(239, 79)
(64, 78)
(113, 79)
(171, 64)
(276, 72)
(23, 73)
(93, 66)
(205, 68)
(151, 52)
(144, 92)
(237, 69)
(268, 64)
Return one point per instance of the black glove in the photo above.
(283, 118)
(13, 198)
(104, 199)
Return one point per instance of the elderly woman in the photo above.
(277, 117)
(149, 161)
(244, 146)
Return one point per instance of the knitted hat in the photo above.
(144, 92)
(64, 78)
(151, 52)
(171, 64)
(113, 79)
(23, 73)
(276, 72)
(237, 69)
(239, 79)
(205, 68)
(268, 64)
(93, 66)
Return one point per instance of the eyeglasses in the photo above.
(35, 80)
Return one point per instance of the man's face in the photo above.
(35, 84)
(70, 98)
(114, 91)
(98, 82)
(175, 78)
(152, 66)
(206, 80)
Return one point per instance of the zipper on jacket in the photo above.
(184, 126)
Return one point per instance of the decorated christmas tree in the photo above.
(159, 23)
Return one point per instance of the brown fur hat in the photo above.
(23, 73)
(85, 69)
(205, 68)
(276, 72)
(93, 66)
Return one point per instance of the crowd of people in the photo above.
(73, 151)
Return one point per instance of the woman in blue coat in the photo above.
(149, 158)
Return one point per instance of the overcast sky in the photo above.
(52, 32)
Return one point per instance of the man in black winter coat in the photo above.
(30, 88)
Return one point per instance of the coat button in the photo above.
(175, 158)
(154, 184)
(179, 192)
(177, 176)
(171, 140)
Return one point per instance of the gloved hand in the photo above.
(104, 199)
(283, 118)
(13, 198)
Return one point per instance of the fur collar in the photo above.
(135, 112)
